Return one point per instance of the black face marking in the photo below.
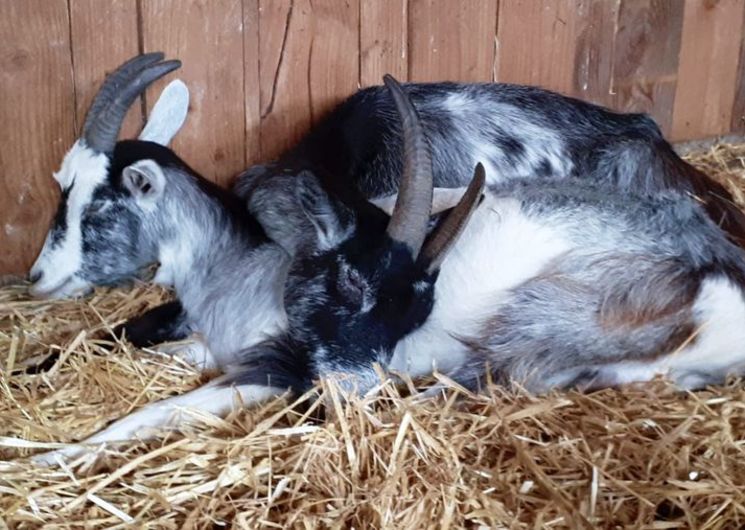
(59, 225)
(344, 328)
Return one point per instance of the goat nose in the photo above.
(34, 277)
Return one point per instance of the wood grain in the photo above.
(383, 41)
(104, 35)
(737, 123)
(309, 61)
(645, 63)
(207, 35)
(251, 81)
(593, 50)
(452, 40)
(37, 113)
(286, 36)
(335, 56)
(537, 43)
(708, 69)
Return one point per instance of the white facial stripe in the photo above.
(59, 261)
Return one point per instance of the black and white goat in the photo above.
(547, 282)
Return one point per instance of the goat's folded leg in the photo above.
(164, 323)
(168, 323)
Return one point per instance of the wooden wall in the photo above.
(262, 71)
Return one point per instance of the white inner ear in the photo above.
(442, 199)
(168, 114)
(146, 181)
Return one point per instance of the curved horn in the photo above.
(445, 236)
(113, 83)
(104, 129)
(410, 216)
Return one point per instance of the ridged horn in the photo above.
(445, 236)
(410, 216)
(105, 117)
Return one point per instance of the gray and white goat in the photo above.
(547, 282)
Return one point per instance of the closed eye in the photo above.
(97, 208)
(351, 285)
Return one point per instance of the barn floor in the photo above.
(641, 457)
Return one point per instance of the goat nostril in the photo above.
(34, 277)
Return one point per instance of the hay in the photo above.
(640, 457)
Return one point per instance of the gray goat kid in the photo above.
(552, 283)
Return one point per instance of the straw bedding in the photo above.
(639, 457)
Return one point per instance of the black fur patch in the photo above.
(166, 322)
(59, 225)
(279, 363)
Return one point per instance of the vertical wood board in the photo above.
(37, 113)
(207, 35)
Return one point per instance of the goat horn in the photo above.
(410, 216)
(102, 130)
(113, 83)
(445, 235)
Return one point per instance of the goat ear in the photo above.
(168, 114)
(442, 199)
(145, 181)
(332, 223)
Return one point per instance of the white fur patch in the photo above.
(168, 114)
(499, 249)
(211, 399)
(84, 170)
(539, 143)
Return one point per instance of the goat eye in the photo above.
(97, 208)
(352, 285)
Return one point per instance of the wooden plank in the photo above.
(309, 61)
(537, 43)
(737, 124)
(646, 58)
(251, 81)
(707, 71)
(207, 35)
(383, 41)
(38, 115)
(452, 40)
(335, 58)
(593, 50)
(104, 35)
(285, 42)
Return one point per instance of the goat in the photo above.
(548, 283)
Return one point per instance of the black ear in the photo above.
(145, 181)
(333, 222)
